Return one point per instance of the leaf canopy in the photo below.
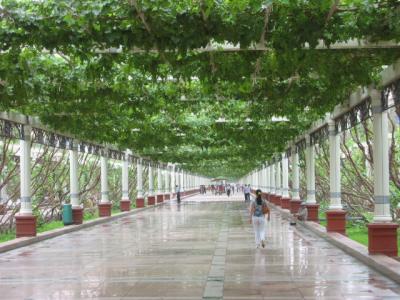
(164, 95)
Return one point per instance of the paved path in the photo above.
(202, 249)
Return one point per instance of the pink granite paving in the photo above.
(201, 249)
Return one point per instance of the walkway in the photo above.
(201, 248)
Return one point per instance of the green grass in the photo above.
(49, 226)
(115, 210)
(7, 236)
(87, 216)
(358, 234)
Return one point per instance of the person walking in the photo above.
(178, 193)
(246, 191)
(228, 190)
(258, 210)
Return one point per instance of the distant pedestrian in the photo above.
(228, 190)
(258, 210)
(178, 193)
(246, 191)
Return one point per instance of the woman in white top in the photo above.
(257, 217)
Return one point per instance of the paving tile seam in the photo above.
(214, 288)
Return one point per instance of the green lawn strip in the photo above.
(49, 226)
(115, 210)
(7, 236)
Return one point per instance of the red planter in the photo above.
(104, 209)
(285, 202)
(166, 197)
(25, 226)
(312, 212)
(278, 200)
(151, 200)
(125, 205)
(336, 221)
(77, 215)
(294, 206)
(382, 238)
(160, 198)
(139, 202)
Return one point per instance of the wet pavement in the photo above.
(202, 249)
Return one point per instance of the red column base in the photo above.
(271, 198)
(382, 238)
(278, 199)
(160, 198)
(294, 206)
(166, 197)
(151, 200)
(104, 209)
(25, 226)
(125, 205)
(77, 215)
(312, 212)
(336, 221)
(285, 202)
(139, 202)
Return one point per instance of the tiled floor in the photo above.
(201, 249)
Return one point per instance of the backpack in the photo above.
(258, 212)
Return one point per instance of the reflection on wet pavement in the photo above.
(201, 249)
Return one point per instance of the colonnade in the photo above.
(168, 177)
(273, 177)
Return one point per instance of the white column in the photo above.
(173, 182)
(381, 160)
(295, 174)
(265, 178)
(125, 178)
(285, 176)
(268, 179)
(310, 170)
(334, 167)
(151, 185)
(182, 183)
(25, 172)
(272, 177)
(278, 187)
(73, 175)
(104, 179)
(139, 178)
(159, 181)
(166, 183)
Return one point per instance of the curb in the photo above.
(386, 265)
(26, 241)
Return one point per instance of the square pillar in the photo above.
(139, 184)
(295, 201)
(25, 221)
(335, 216)
(125, 203)
(311, 203)
(285, 200)
(382, 233)
(105, 204)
